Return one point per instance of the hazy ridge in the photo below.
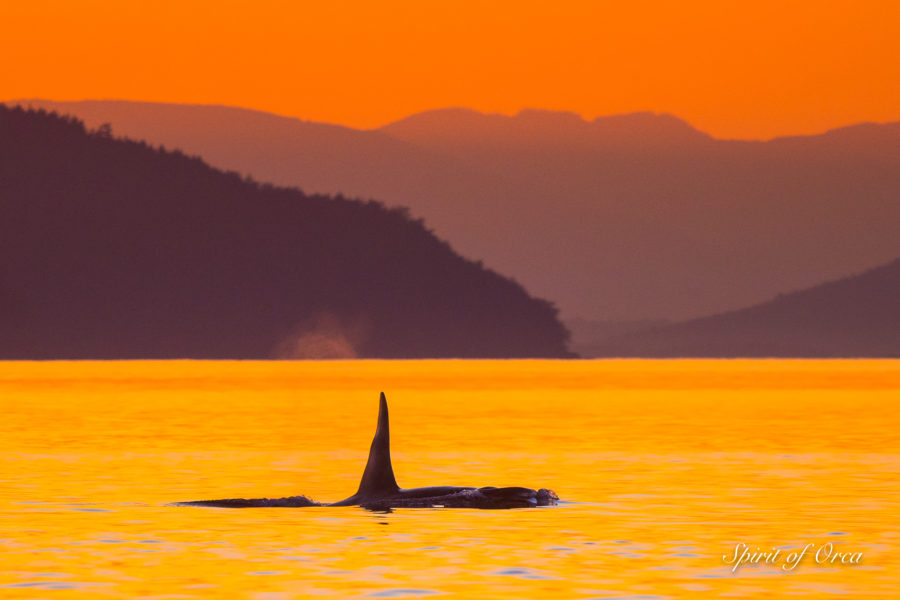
(857, 316)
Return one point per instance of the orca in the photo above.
(378, 489)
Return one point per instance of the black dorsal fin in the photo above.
(378, 478)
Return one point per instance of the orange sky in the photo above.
(735, 69)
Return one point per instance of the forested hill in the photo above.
(115, 249)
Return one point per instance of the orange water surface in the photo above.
(663, 466)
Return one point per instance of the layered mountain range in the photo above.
(637, 226)
(622, 218)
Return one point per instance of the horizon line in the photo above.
(507, 115)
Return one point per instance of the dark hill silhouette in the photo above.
(857, 316)
(622, 218)
(115, 249)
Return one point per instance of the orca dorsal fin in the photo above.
(378, 478)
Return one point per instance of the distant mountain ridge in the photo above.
(857, 316)
(115, 249)
(623, 218)
(446, 126)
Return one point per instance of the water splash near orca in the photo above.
(378, 489)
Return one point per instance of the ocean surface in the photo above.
(664, 469)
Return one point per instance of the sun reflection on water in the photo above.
(663, 467)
